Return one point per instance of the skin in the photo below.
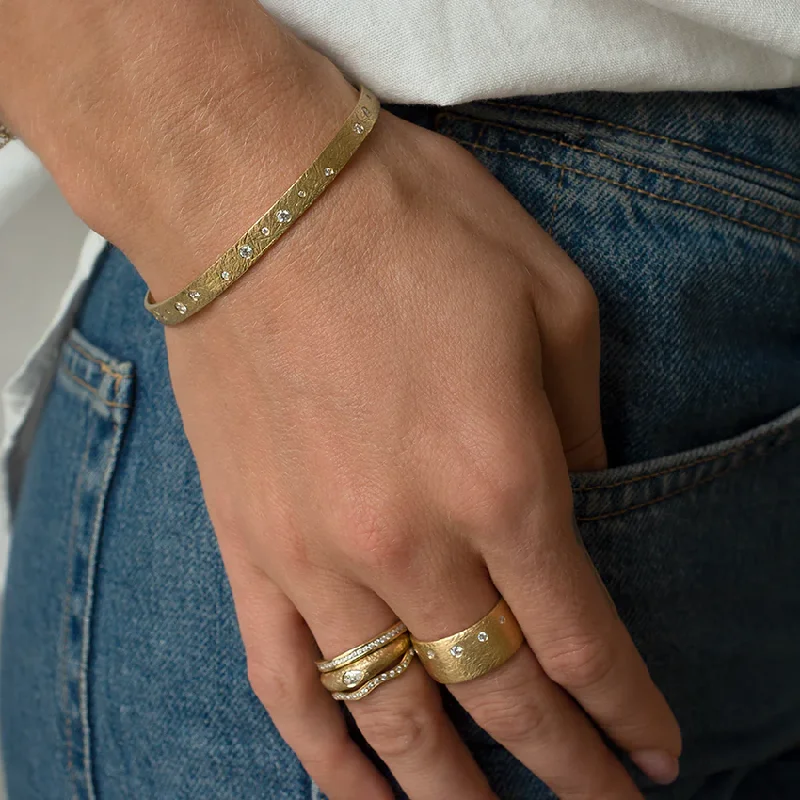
(383, 412)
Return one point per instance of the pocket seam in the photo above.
(632, 164)
(689, 464)
(701, 482)
(671, 200)
(65, 608)
(88, 387)
(647, 134)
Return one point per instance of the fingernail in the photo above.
(658, 765)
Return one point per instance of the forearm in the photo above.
(168, 130)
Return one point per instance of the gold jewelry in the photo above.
(351, 676)
(473, 652)
(5, 135)
(266, 230)
(349, 656)
(371, 685)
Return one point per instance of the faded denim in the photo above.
(124, 674)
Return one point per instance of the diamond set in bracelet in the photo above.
(364, 649)
(371, 685)
(237, 260)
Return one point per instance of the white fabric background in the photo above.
(449, 51)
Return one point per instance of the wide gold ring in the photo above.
(475, 651)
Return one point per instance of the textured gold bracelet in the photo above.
(266, 230)
(5, 135)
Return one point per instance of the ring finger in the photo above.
(403, 719)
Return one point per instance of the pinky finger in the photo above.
(280, 657)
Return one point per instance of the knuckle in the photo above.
(272, 686)
(327, 757)
(579, 311)
(493, 492)
(376, 540)
(395, 732)
(585, 308)
(508, 717)
(578, 662)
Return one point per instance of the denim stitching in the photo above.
(111, 451)
(555, 204)
(636, 189)
(67, 602)
(702, 482)
(705, 460)
(481, 131)
(101, 364)
(110, 403)
(633, 164)
(691, 145)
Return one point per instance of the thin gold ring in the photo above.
(353, 676)
(371, 685)
(349, 656)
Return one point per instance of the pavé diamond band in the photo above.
(353, 676)
(357, 672)
(349, 656)
(371, 685)
(475, 651)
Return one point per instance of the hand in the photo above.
(380, 411)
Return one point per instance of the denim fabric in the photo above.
(124, 674)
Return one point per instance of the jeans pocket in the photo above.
(56, 543)
(699, 551)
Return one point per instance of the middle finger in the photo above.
(517, 703)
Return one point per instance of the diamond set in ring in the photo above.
(365, 649)
(370, 685)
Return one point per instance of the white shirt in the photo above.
(450, 51)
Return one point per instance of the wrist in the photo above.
(208, 192)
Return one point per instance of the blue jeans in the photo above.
(123, 672)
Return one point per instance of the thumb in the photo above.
(569, 328)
